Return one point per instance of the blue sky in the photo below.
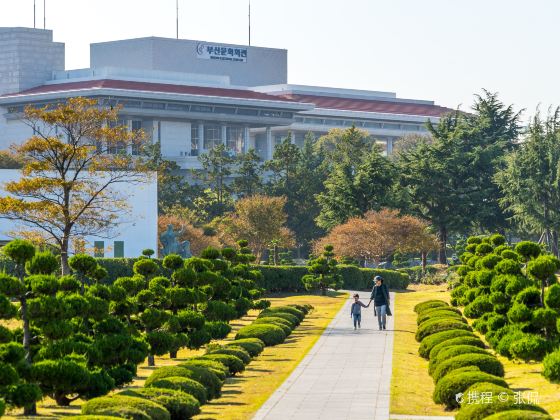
(445, 50)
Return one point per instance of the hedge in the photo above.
(452, 351)
(519, 415)
(485, 362)
(467, 340)
(128, 407)
(268, 333)
(483, 411)
(210, 380)
(438, 312)
(551, 365)
(437, 325)
(294, 320)
(233, 363)
(218, 368)
(234, 351)
(179, 404)
(429, 342)
(429, 304)
(254, 346)
(279, 322)
(184, 384)
(457, 382)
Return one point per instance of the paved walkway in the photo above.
(346, 375)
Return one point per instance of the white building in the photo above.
(135, 230)
(193, 95)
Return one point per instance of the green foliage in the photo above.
(478, 307)
(528, 250)
(218, 329)
(429, 304)
(508, 267)
(233, 363)
(457, 382)
(466, 340)
(253, 346)
(146, 268)
(551, 366)
(234, 351)
(485, 411)
(269, 334)
(127, 407)
(435, 326)
(452, 351)
(179, 404)
(485, 362)
(183, 384)
(529, 347)
(429, 342)
(522, 414)
(42, 263)
(19, 251)
(323, 272)
(552, 297)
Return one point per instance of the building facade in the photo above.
(193, 95)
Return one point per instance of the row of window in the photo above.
(358, 123)
(213, 137)
(99, 249)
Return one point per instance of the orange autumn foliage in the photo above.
(186, 231)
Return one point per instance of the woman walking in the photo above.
(380, 297)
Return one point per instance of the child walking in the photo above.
(356, 310)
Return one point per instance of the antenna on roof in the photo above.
(44, 14)
(177, 16)
(34, 10)
(249, 22)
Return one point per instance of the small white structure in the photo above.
(135, 230)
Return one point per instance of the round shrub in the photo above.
(282, 323)
(458, 382)
(218, 329)
(496, 322)
(510, 255)
(463, 269)
(529, 347)
(254, 346)
(292, 319)
(552, 297)
(19, 251)
(128, 407)
(484, 277)
(179, 404)
(483, 411)
(452, 351)
(437, 314)
(218, 368)
(210, 380)
(468, 340)
(268, 333)
(428, 305)
(499, 301)
(233, 363)
(519, 312)
(216, 310)
(42, 263)
(500, 282)
(485, 362)
(435, 326)
(24, 394)
(483, 249)
(180, 383)
(506, 340)
(528, 249)
(531, 296)
(497, 239)
(474, 240)
(551, 366)
(234, 351)
(478, 307)
(167, 371)
(516, 284)
(290, 310)
(488, 262)
(508, 267)
(544, 318)
(432, 340)
(519, 415)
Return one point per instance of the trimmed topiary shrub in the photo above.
(437, 314)
(483, 411)
(234, 351)
(528, 249)
(508, 267)
(292, 319)
(519, 415)
(485, 362)
(165, 372)
(434, 326)
(210, 380)
(254, 346)
(551, 366)
(233, 363)
(280, 322)
(218, 329)
(478, 307)
(529, 347)
(184, 384)
(450, 352)
(288, 310)
(519, 313)
(458, 382)
(468, 340)
(128, 407)
(429, 304)
(268, 333)
(179, 404)
(429, 342)
(218, 368)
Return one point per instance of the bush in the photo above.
(483, 249)
(280, 322)
(268, 333)
(519, 312)
(552, 297)
(355, 278)
(505, 338)
(429, 304)
(293, 320)
(457, 382)
(544, 319)
(218, 329)
(300, 315)
(530, 296)
(510, 255)
(478, 307)
(217, 310)
(179, 404)
(184, 384)
(452, 351)
(485, 362)
(488, 262)
(219, 369)
(128, 407)
(529, 347)
(429, 342)
(234, 351)
(519, 415)
(551, 366)
(484, 411)
(167, 371)
(437, 325)
(508, 267)
(468, 340)
(253, 346)
(528, 249)
(233, 363)
(426, 316)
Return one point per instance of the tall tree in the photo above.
(530, 180)
(71, 164)
(249, 174)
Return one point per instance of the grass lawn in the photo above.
(411, 386)
(244, 394)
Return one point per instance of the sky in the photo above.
(442, 50)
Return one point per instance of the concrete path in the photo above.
(346, 375)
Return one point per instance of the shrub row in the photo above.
(460, 364)
(177, 392)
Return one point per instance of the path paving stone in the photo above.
(346, 375)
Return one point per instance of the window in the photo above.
(201, 108)
(224, 110)
(99, 249)
(118, 250)
(212, 136)
(136, 126)
(234, 139)
(194, 139)
(247, 111)
(117, 147)
(154, 105)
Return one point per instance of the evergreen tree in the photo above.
(248, 175)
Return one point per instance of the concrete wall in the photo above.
(137, 228)
(28, 58)
(262, 65)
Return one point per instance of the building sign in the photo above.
(218, 52)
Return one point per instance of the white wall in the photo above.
(13, 132)
(175, 138)
(137, 228)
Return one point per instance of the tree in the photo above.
(217, 166)
(356, 185)
(323, 273)
(248, 175)
(71, 164)
(188, 232)
(530, 181)
(260, 220)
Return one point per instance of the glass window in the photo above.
(234, 139)
(99, 249)
(118, 251)
(136, 126)
(194, 139)
(247, 111)
(118, 147)
(212, 136)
